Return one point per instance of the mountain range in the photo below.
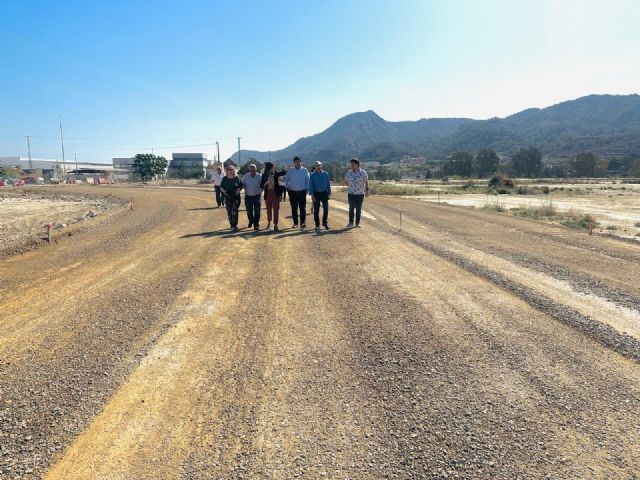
(608, 125)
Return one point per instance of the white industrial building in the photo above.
(48, 168)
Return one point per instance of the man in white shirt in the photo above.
(357, 182)
(252, 195)
(216, 178)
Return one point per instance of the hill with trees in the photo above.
(606, 125)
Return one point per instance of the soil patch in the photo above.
(24, 216)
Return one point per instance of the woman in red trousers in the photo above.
(272, 192)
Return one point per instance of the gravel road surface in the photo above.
(468, 345)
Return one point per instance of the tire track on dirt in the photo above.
(581, 283)
(605, 334)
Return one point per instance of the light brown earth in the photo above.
(616, 207)
(467, 345)
(25, 213)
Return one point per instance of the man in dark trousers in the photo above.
(320, 191)
(216, 179)
(252, 194)
(297, 183)
(357, 182)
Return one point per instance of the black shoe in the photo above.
(235, 229)
(303, 225)
(256, 227)
(250, 225)
(295, 225)
(326, 227)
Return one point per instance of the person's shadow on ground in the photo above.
(247, 234)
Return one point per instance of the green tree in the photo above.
(387, 173)
(336, 170)
(588, 165)
(147, 165)
(528, 162)
(634, 171)
(486, 162)
(460, 163)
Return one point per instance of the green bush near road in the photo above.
(578, 220)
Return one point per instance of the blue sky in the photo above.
(131, 75)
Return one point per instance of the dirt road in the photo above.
(159, 345)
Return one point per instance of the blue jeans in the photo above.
(252, 204)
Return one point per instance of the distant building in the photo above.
(187, 165)
(407, 160)
(371, 164)
(49, 169)
(123, 168)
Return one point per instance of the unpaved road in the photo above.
(470, 345)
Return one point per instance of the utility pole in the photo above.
(218, 149)
(75, 155)
(29, 150)
(64, 164)
(239, 164)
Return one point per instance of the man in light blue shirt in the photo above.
(252, 191)
(297, 183)
(320, 191)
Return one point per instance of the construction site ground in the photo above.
(25, 213)
(458, 344)
(614, 205)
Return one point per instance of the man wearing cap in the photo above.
(252, 192)
(357, 183)
(297, 183)
(320, 191)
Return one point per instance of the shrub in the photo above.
(495, 206)
(545, 190)
(578, 220)
(500, 180)
(537, 212)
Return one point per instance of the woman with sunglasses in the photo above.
(231, 185)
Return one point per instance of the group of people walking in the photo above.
(297, 182)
